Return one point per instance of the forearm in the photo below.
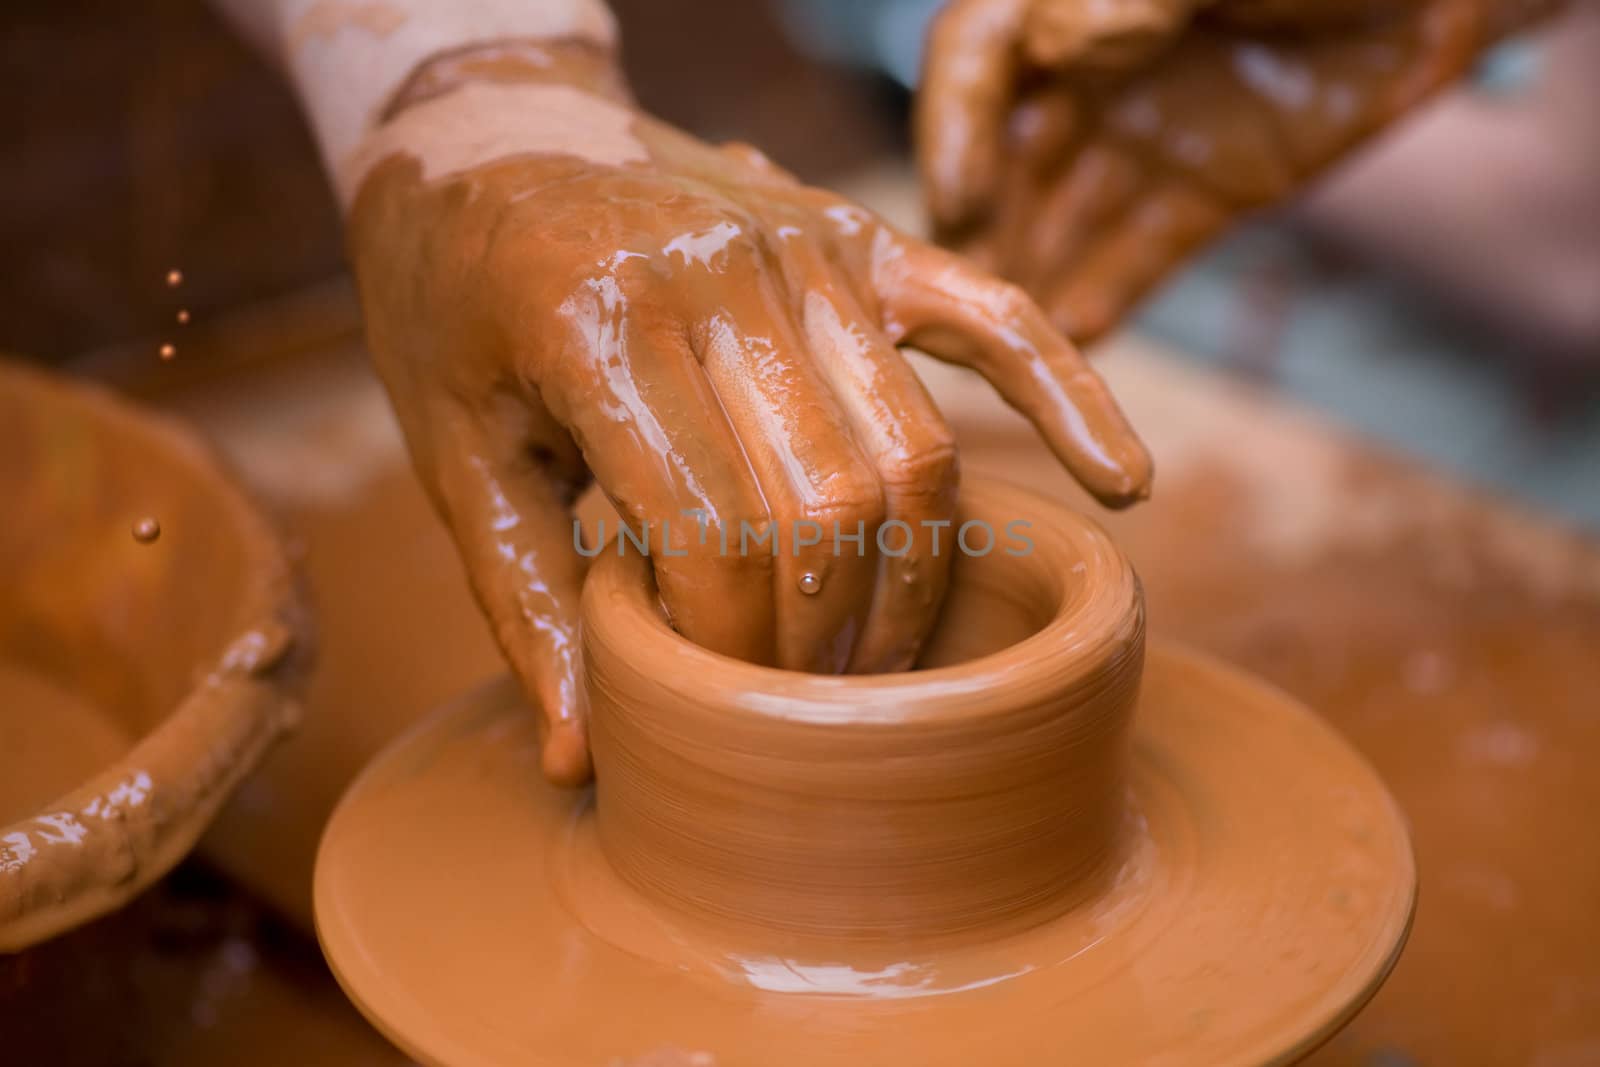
(353, 61)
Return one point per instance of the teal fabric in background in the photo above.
(1364, 349)
(883, 34)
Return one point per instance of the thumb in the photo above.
(513, 526)
(969, 75)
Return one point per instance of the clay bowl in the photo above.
(1044, 846)
(139, 681)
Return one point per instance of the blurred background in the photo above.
(1437, 298)
(1441, 292)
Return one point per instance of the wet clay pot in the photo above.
(985, 790)
(1042, 846)
(143, 672)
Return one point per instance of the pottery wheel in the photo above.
(466, 908)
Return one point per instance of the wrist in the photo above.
(576, 63)
(348, 60)
(447, 126)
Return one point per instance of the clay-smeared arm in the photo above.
(557, 286)
(1084, 149)
(349, 60)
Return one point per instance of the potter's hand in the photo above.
(1084, 149)
(556, 285)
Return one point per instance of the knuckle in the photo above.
(851, 496)
(729, 541)
(930, 468)
(952, 23)
(945, 27)
(1008, 302)
(747, 248)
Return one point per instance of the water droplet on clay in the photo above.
(168, 351)
(174, 277)
(810, 584)
(146, 530)
(183, 316)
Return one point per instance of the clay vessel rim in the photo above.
(213, 735)
(620, 611)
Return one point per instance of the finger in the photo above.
(1098, 186)
(1100, 37)
(982, 247)
(936, 301)
(511, 523)
(1167, 224)
(1308, 16)
(1169, 116)
(631, 390)
(969, 73)
(905, 438)
(815, 479)
(1041, 126)
(1044, 127)
(1449, 37)
(1504, 18)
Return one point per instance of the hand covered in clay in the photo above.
(557, 286)
(1084, 149)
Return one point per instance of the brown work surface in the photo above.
(193, 973)
(1451, 637)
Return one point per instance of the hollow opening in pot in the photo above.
(1006, 584)
(994, 601)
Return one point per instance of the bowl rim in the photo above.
(90, 850)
